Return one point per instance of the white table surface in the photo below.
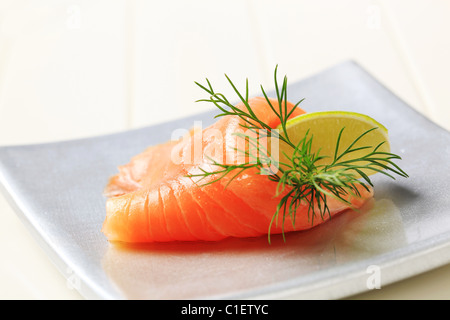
(79, 68)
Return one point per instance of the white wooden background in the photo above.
(78, 68)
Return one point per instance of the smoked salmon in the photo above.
(153, 198)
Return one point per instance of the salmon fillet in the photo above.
(152, 199)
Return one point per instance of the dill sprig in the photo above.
(301, 178)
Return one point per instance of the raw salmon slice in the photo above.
(152, 199)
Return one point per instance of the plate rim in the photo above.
(392, 263)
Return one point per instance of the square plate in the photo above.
(56, 189)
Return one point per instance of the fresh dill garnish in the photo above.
(301, 178)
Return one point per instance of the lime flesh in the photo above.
(324, 128)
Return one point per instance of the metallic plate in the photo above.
(57, 188)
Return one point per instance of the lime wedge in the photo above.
(324, 128)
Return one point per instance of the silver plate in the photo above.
(57, 189)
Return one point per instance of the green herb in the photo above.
(302, 176)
